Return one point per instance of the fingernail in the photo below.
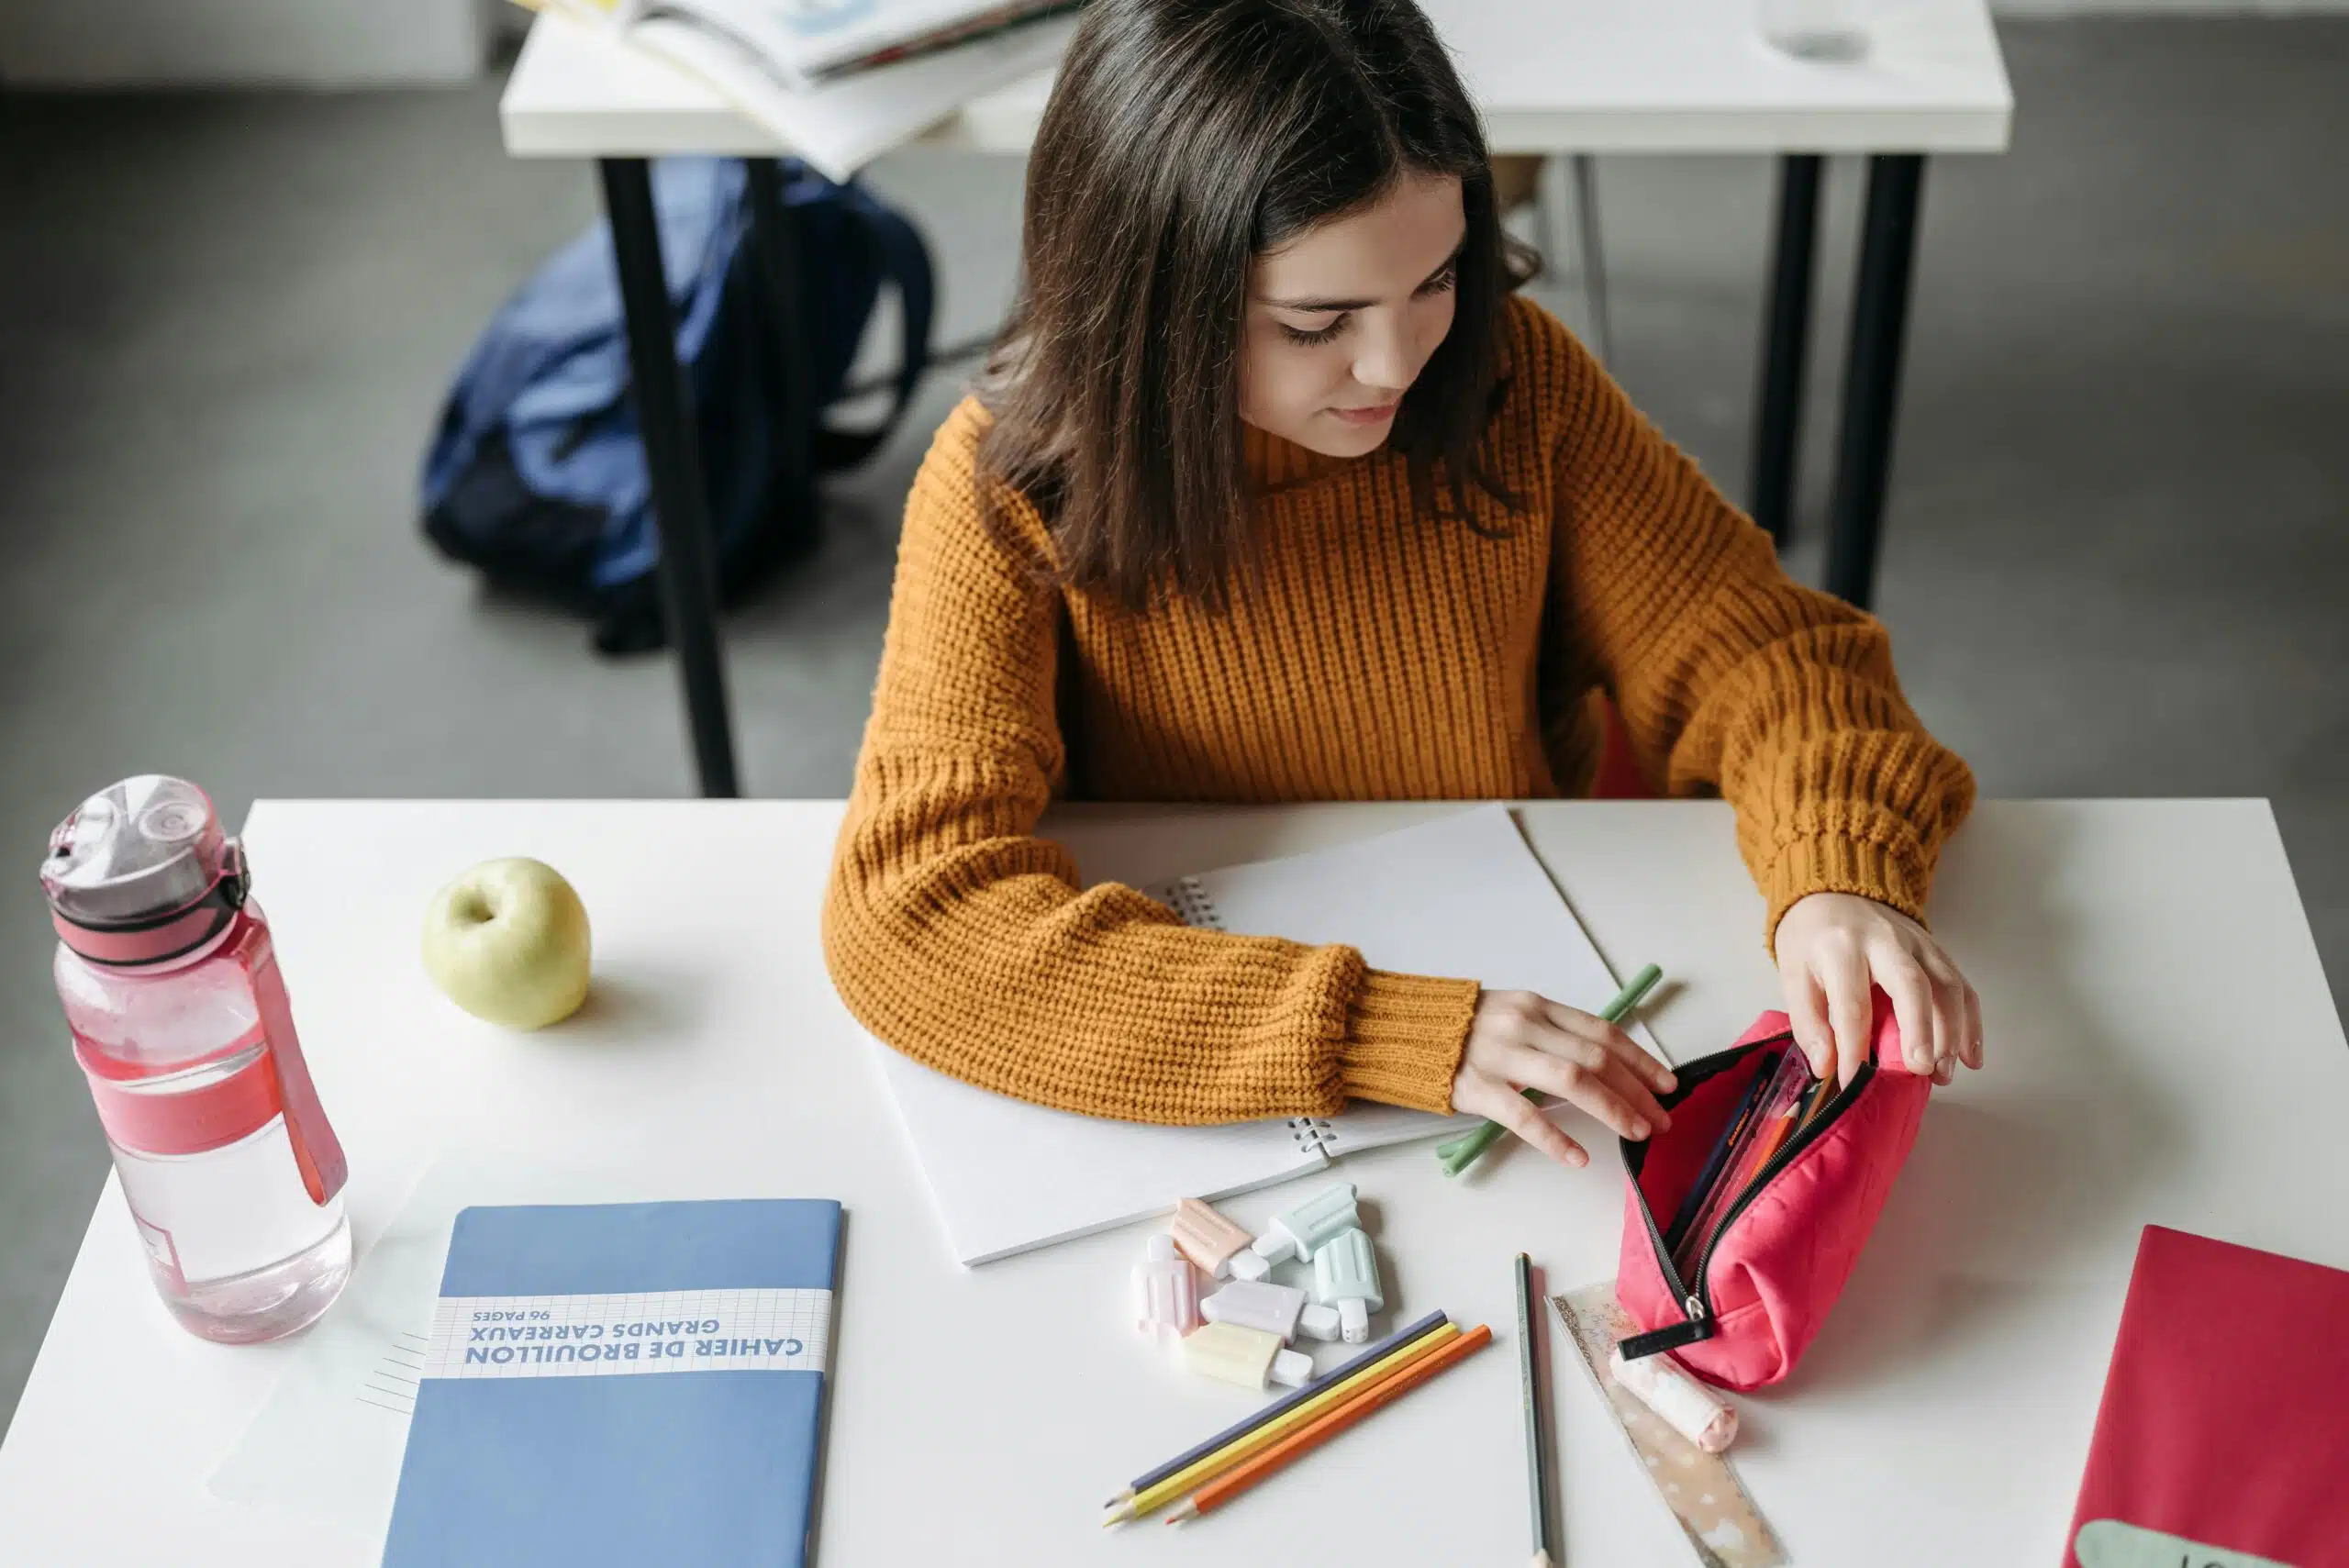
(1577, 1159)
(1638, 1129)
(1662, 1119)
(1666, 1082)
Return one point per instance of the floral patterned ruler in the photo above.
(1701, 1490)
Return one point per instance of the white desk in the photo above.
(2163, 1048)
(1549, 77)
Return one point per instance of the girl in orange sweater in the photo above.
(1276, 490)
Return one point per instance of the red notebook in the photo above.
(2223, 1438)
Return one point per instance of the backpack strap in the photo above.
(905, 263)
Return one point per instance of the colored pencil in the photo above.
(1537, 1444)
(1150, 1499)
(1822, 1091)
(1767, 1128)
(1306, 1438)
(1467, 1151)
(1281, 1406)
(1712, 1168)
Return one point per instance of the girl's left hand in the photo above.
(1833, 947)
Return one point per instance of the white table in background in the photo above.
(2162, 1049)
(1549, 77)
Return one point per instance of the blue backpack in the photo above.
(537, 475)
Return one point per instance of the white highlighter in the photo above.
(1297, 1232)
(1275, 1308)
(1345, 1275)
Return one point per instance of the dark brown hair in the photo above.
(1185, 139)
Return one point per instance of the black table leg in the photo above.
(1872, 375)
(775, 248)
(673, 463)
(1786, 338)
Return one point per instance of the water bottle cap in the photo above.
(141, 871)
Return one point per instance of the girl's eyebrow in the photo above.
(1314, 306)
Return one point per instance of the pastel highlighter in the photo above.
(1298, 1232)
(1249, 1357)
(1345, 1275)
(1686, 1406)
(1276, 1308)
(1166, 1294)
(1217, 1247)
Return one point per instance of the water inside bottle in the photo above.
(237, 1249)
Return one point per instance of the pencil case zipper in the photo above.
(1695, 1301)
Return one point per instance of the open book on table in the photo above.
(838, 83)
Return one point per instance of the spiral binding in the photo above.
(1187, 897)
(1313, 1133)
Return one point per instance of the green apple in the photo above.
(507, 941)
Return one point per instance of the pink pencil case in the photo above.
(1754, 1296)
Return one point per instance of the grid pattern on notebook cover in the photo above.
(622, 1384)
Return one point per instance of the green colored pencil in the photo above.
(1537, 1454)
(1459, 1153)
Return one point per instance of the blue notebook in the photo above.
(622, 1384)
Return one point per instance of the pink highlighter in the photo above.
(1166, 1294)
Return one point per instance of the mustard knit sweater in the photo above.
(1390, 657)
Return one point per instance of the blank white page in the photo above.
(1008, 1177)
(1461, 897)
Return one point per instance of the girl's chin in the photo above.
(1333, 436)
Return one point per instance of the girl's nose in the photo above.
(1383, 363)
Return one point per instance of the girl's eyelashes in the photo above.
(1440, 283)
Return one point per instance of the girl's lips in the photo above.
(1377, 415)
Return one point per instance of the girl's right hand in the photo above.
(1520, 1040)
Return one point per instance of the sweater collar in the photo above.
(1274, 463)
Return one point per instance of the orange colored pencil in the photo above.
(1312, 1435)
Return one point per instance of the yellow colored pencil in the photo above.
(1239, 1449)
(1304, 1439)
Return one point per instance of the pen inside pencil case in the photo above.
(1774, 1109)
(1725, 1140)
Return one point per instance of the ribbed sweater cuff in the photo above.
(1404, 1036)
(1832, 864)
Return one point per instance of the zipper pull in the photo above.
(1695, 1308)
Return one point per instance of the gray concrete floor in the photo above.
(2118, 562)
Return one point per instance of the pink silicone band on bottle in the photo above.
(188, 1121)
(192, 1122)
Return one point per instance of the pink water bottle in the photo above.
(180, 1021)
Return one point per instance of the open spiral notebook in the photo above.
(1462, 895)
